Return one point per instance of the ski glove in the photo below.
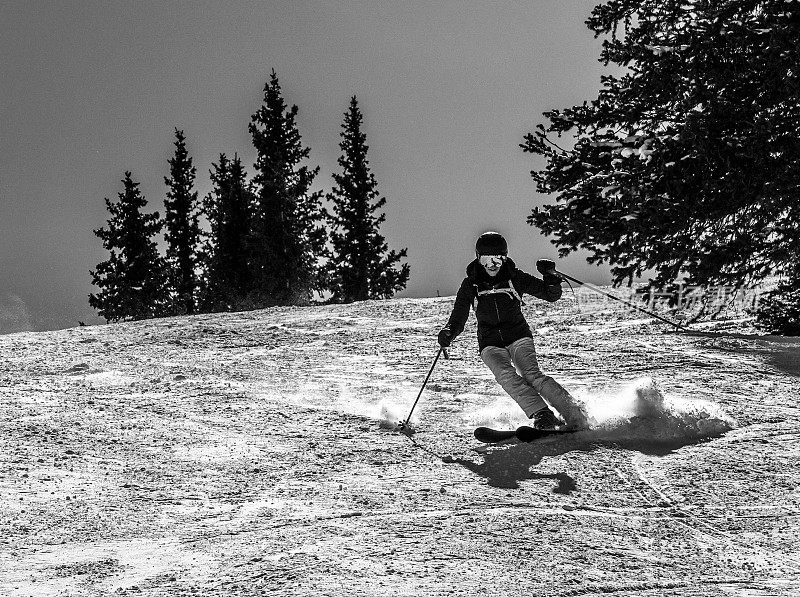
(445, 337)
(545, 266)
(552, 280)
(548, 270)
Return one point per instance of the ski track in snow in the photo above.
(234, 454)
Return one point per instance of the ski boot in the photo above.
(545, 420)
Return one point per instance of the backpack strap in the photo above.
(509, 290)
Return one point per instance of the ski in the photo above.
(488, 435)
(525, 433)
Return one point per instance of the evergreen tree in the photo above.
(132, 281)
(227, 210)
(361, 266)
(686, 163)
(779, 311)
(286, 236)
(182, 230)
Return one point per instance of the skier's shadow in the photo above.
(504, 466)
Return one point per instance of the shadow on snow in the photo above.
(505, 465)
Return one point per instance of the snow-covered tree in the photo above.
(686, 163)
(286, 234)
(182, 230)
(132, 281)
(227, 210)
(361, 266)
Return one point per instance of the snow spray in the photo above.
(502, 413)
(390, 414)
(641, 411)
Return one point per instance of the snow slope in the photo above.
(236, 454)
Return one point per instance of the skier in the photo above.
(494, 287)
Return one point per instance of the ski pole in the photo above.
(611, 296)
(404, 425)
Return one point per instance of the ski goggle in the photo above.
(492, 261)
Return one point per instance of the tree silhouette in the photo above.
(182, 230)
(779, 310)
(361, 266)
(686, 162)
(286, 237)
(227, 210)
(132, 281)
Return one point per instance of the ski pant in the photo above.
(517, 371)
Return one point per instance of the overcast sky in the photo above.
(448, 89)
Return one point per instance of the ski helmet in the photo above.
(491, 243)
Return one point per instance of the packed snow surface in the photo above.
(258, 453)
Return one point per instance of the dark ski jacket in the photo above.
(497, 301)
